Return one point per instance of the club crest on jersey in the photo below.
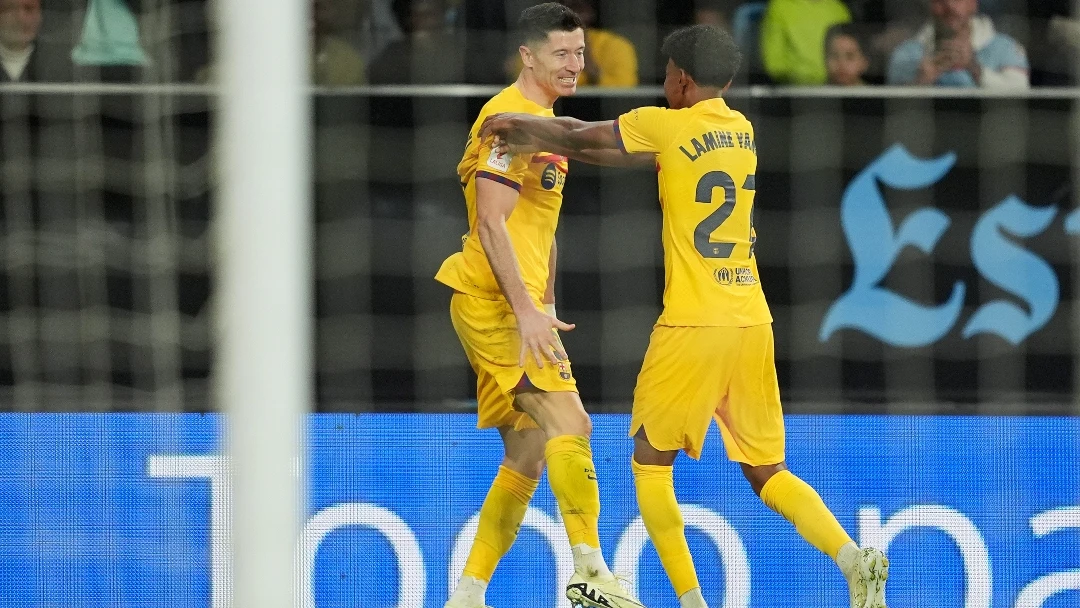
(564, 370)
(500, 160)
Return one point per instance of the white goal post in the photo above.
(263, 211)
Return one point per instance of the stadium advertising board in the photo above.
(131, 510)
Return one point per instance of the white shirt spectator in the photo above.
(1002, 61)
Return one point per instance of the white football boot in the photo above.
(866, 580)
(599, 592)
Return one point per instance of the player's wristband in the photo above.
(550, 309)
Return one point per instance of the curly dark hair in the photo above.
(705, 52)
(536, 22)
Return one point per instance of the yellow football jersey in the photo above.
(538, 178)
(706, 160)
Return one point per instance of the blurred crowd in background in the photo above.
(106, 197)
(960, 43)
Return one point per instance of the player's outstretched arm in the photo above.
(606, 158)
(591, 142)
(494, 204)
(563, 131)
(614, 158)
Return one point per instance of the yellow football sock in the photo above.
(500, 517)
(800, 504)
(663, 519)
(573, 482)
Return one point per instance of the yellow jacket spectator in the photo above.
(610, 59)
(793, 38)
(336, 63)
(613, 60)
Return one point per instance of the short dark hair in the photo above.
(705, 52)
(536, 22)
(843, 29)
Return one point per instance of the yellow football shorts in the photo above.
(489, 334)
(692, 374)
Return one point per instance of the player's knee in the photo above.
(531, 461)
(582, 423)
(556, 413)
(526, 464)
(573, 421)
(535, 468)
(646, 454)
(759, 475)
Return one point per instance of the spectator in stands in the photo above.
(20, 21)
(959, 47)
(845, 61)
(429, 54)
(715, 12)
(885, 24)
(334, 62)
(610, 59)
(370, 25)
(793, 38)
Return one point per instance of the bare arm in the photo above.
(606, 158)
(494, 204)
(563, 131)
(566, 136)
(549, 292)
(612, 158)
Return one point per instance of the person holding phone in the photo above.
(959, 48)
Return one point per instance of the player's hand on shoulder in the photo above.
(538, 337)
(502, 125)
(505, 138)
(494, 124)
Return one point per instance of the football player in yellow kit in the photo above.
(711, 352)
(503, 312)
